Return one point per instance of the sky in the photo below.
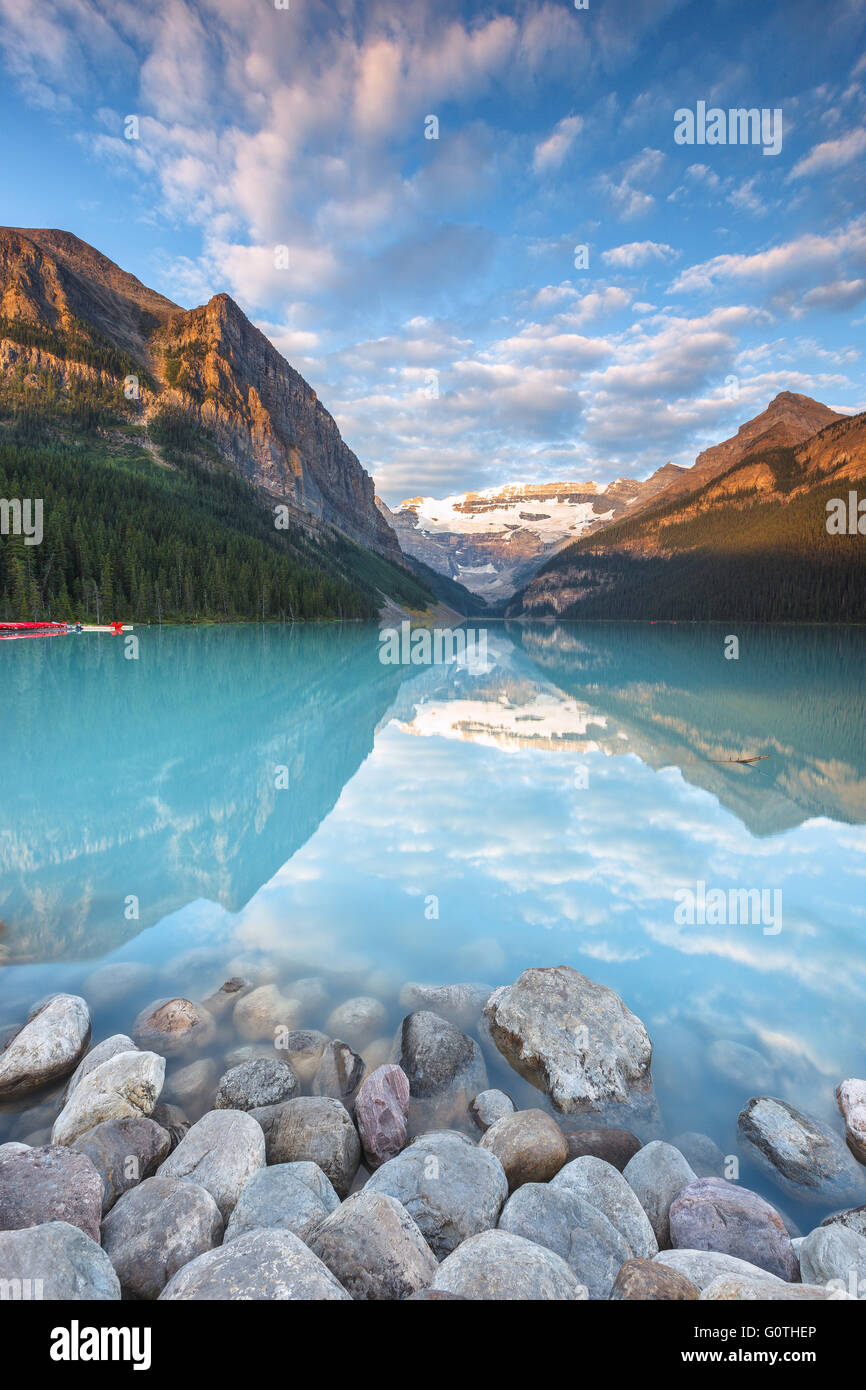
(430, 289)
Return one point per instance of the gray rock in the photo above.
(223, 1001)
(445, 1069)
(851, 1098)
(562, 1221)
(605, 1188)
(489, 1106)
(572, 1038)
(359, 1020)
(255, 1084)
(109, 1047)
(615, 1146)
(303, 1048)
(261, 1265)
(712, 1214)
(317, 1129)
(265, 1014)
(58, 1262)
(174, 1026)
(278, 1198)
(13, 1147)
(805, 1158)
(374, 1248)
(310, 992)
(852, 1217)
(125, 1087)
(657, 1174)
(703, 1266)
(339, 1073)
(155, 1229)
(116, 981)
(123, 1152)
(643, 1281)
(50, 1184)
(193, 1086)
(702, 1154)
(757, 1291)
(529, 1144)
(834, 1254)
(450, 1188)
(741, 1065)
(49, 1046)
(220, 1151)
(381, 1111)
(460, 1004)
(497, 1266)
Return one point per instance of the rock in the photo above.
(572, 1038)
(339, 1073)
(712, 1214)
(357, 1020)
(489, 1106)
(125, 1087)
(173, 1120)
(562, 1221)
(49, 1046)
(13, 1147)
(854, 1218)
(529, 1144)
(851, 1098)
(376, 1054)
(109, 1047)
(381, 1110)
(116, 981)
(374, 1248)
(255, 1084)
(124, 1152)
(155, 1229)
(174, 1026)
(605, 1188)
(703, 1266)
(801, 1154)
(444, 1067)
(223, 1001)
(703, 1156)
(302, 1049)
(497, 1266)
(642, 1279)
(320, 1130)
(311, 993)
(754, 1290)
(261, 1265)
(615, 1146)
(657, 1174)
(741, 1065)
(264, 1014)
(460, 1004)
(450, 1188)
(50, 1184)
(220, 1151)
(56, 1261)
(279, 1198)
(193, 1086)
(834, 1254)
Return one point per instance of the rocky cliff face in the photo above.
(211, 363)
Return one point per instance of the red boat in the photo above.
(9, 630)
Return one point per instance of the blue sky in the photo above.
(428, 289)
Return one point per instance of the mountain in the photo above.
(95, 364)
(494, 540)
(750, 544)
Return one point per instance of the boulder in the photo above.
(657, 1174)
(220, 1152)
(732, 1290)
(703, 1266)
(853, 1217)
(563, 1222)
(644, 1280)
(359, 1020)
(381, 1111)
(264, 1081)
(834, 1254)
(47, 1047)
(302, 1048)
(283, 1197)
(444, 1067)
(222, 1001)
(496, 1266)
(174, 1026)
(851, 1098)
(615, 1146)
(265, 1014)
(450, 1188)
(311, 993)
(529, 1144)
(125, 1087)
(460, 1004)
(50, 1184)
(572, 1038)
(702, 1154)
(712, 1214)
(109, 1047)
(374, 1248)
(605, 1188)
(193, 1086)
(56, 1262)
(339, 1073)
(489, 1106)
(803, 1156)
(124, 1153)
(155, 1229)
(261, 1265)
(317, 1129)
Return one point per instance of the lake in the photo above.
(278, 800)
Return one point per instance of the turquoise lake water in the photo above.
(452, 823)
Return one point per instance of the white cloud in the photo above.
(831, 154)
(550, 153)
(637, 253)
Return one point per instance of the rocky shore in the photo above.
(223, 1150)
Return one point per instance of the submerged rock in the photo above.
(657, 1175)
(445, 1069)
(644, 1280)
(372, 1245)
(303, 1048)
(489, 1106)
(173, 1120)
(261, 1265)
(564, 1222)
(460, 1004)
(193, 1086)
(851, 1098)
(381, 1111)
(702, 1154)
(605, 1188)
(220, 1152)
(155, 1229)
(529, 1144)
(173, 1026)
(264, 1014)
(116, 981)
(50, 1184)
(614, 1146)
(339, 1073)
(802, 1155)
(223, 1000)
(498, 1266)
(47, 1047)
(124, 1153)
(125, 1087)
(572, 1038)
(712, 1214)
(317, 1129)
(56, 1261)
(359, 1020)
(283, 1197)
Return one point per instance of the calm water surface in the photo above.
(548, 808)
